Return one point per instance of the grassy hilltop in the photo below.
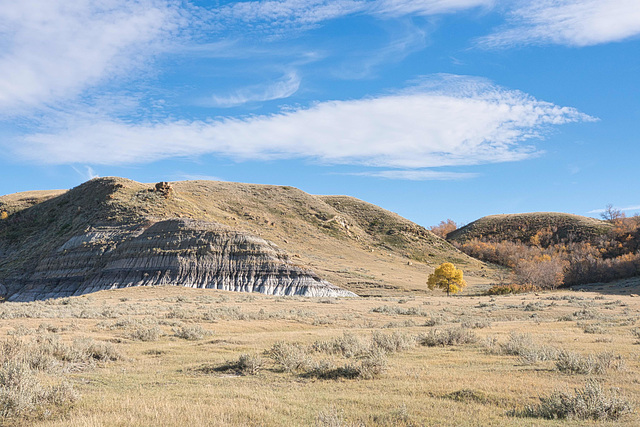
(351, 243)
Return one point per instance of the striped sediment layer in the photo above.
(179, 251)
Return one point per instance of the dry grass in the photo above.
(301, 361)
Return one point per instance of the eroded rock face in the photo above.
(181, 252)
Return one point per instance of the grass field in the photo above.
(177, 356)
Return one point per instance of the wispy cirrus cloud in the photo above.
(567, 22)
(54, 50)
(627, 209)
(264, 16)
(417, 175)
(425, 7)
(267, 15)
(280, 89)
(434, 125)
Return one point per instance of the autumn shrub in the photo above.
(590, 402)
(444, 228)
(542, 272)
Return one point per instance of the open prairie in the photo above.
(179, 356)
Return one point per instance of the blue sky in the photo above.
(433, 109)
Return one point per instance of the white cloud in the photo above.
(285, 13)
(627, 209)
(418, 175)
(196, 177)
(406, 39)
(569, 22)
(265, 16)
(426, 7)
(427, 126)
(53, 50)
(283, 88)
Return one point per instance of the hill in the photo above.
(556, 227)
(114, 232)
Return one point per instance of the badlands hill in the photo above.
(113, 232)
(522, 227)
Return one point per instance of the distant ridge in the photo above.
(522, 227)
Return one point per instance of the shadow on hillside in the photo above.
(619, 287)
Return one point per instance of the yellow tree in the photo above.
(448, 278)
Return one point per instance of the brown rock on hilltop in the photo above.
(112, 233)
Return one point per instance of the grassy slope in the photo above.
(354, 245)
(521, 227)
(160, 383)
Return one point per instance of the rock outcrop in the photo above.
(181, 252)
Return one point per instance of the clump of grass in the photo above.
(289, 357)
(20, 330)
(327, 370)
(47, 327)
(348, 345)
(330, 418)
(586, 314)
(97, 350)
(522, 345)
(447, 337)
(480, 323)
(394, 343)
(467, 395)
(250, 364)
(636, 334)
(396, 417)
(594, 328)
(410, 311)
(372, 365)
(145, 333)
(191, 333)
(246, 364)
(590, 402)
(21, 392)
(574, 363)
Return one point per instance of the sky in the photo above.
(432, 109)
